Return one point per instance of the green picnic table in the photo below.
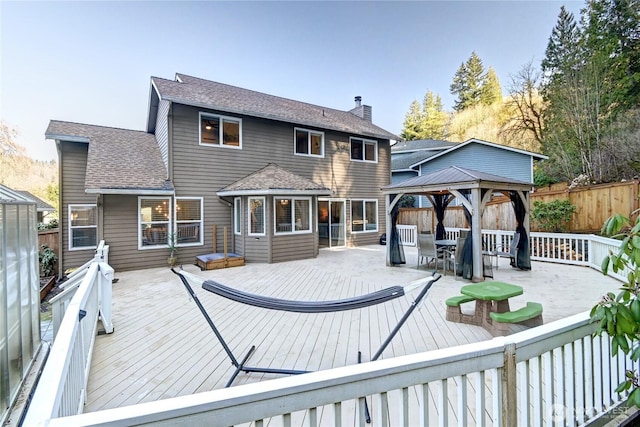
(490, 296)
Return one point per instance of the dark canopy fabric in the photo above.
(523, 255)
(351, 303)
(396, 253)
(467, 249)
(441, 201)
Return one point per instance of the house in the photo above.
(281, 177)
(42, 208)
(414, 158)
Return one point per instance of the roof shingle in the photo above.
(118, 159)
(218, 96)
(272, 179)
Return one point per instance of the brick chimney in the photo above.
(362, 111)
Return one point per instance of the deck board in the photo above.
(162, 346)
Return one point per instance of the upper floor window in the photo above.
(83, 226)
(364, 150)
(293, 215)
(220, 130)
(189, 221)
(154, 221)
(309, 142)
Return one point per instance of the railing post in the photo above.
(509, 386)
(105, 281)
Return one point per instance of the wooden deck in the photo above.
(162, 346)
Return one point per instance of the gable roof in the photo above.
(42, 206)
(119, 161)
(271, 180)
(456, 177)
(203, 93)
(402, 161)
(421, 144)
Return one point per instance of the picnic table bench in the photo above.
(492, 309)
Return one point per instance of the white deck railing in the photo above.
(408, 234)
(61, 389)
(555, 374)
(563, 248)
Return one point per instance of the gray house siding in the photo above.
(203, 170)
(402, 176)
(485, 158)
(162, 130)
(73, 164)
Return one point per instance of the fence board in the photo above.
(594, 204)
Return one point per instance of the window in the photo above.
(364, 215)
(83, 227)
(188, 221)
(309, 143)
(237, 215)
(154, 220)
(364, 150)
(256, 216)
(293, 215)
(220, 130)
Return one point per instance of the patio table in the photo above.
(490, 296)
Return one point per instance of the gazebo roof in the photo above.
(455, 178)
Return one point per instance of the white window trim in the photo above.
(237, 206)
(309, 131)
(139, 222)
(364, 215)
(200, 241)
(220, 137)
(364, 143)
(264, 206)
(293, 230)
(70, 236)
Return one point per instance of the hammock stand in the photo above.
(302, 307)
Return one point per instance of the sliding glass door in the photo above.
(331, 223)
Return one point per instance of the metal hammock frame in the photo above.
(373, 298)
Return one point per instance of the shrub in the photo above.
(48, 259)
(619, 315)
(553, 216)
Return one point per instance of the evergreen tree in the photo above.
(412, 126)
(434, 117)
(562, 51)
(468, 83)
(612, 29)
(491, 90)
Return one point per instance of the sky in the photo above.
(91, 62)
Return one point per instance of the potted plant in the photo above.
(173, 250)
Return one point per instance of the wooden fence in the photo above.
(594, 204)
(51, 239)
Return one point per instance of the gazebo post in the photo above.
(476, 232)
(388, 226)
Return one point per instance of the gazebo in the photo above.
(474, 189)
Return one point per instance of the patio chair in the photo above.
(427, 250)
(454, 256)
(512, 253)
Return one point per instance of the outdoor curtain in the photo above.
(440, 203)
(466, 269)
(523, 254)
(396, 251)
